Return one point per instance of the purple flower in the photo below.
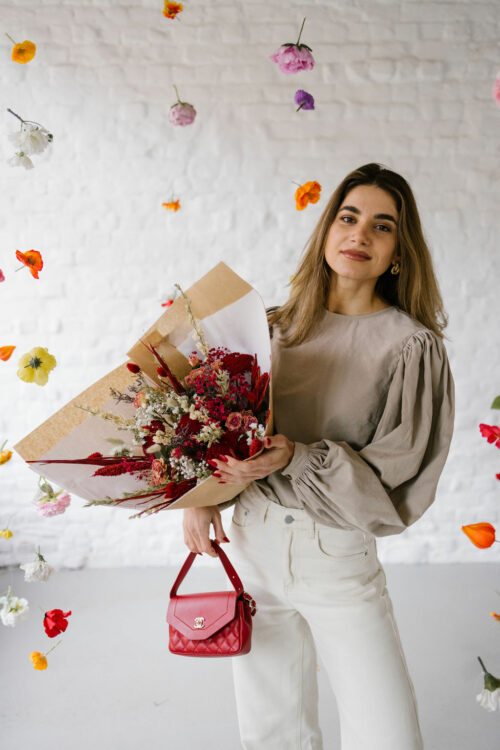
(304, 100)
(292, 58)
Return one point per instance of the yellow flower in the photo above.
(6, 533)
(39, 660)
(5, 456)
(24, 51)
(34, 367)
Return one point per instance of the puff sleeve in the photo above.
(387, 485)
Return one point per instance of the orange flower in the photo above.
(496, 616)
(5, 455)
(5, 352)
(173, 205)
(23, 52)
(480, 534)
(309, 192)
(171, 9)
(32, 260)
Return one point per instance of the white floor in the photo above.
(113, 685)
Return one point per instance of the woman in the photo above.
(364, 409)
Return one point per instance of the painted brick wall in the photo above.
(408, 84)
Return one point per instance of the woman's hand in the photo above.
(196, 524)
(278, 452)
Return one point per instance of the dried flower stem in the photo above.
(202, 344)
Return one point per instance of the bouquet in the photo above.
(179, 408)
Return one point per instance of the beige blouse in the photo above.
(370, 404)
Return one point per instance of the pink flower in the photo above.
(496, 90)
(159, 472)
(292, 58)
(140, 399)
(2, 277)
(54, 507)
(233, 422)
(182, 114)
(249, 422)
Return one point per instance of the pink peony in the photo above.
(249, 422)
(496, 90)
(53, 507)
(233, 422)
(182, 114)
(292, 58)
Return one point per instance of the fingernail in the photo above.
(211, 463)
(216, 474)
(225, 539)
(223, 458)
(221, 481)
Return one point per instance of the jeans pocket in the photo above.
(342, 544)
(250, 507)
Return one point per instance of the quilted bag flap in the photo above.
(198, 616)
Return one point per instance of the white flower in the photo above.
(31, 139)
(20, 160)
(37, 571)
(489, 699)
(13, 609)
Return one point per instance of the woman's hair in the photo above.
(415, 289)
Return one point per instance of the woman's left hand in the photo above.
(278, 452)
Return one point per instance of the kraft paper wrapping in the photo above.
(232, 314)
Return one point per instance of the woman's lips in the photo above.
(354, 256)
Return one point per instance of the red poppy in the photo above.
(32, 260)
(480, 534)
(167, 303)
(55, 622)
(491, 432)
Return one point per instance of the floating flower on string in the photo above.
(5, 455)
(5, 352)
(304, 100)
(32, 138)
(495, 616)
(489, 697)
(48, 502)
(167, 303)
(6, 533)
(14, 609)
(35, 366)
(292, 58)
(173, 205)
(32, 259)
(22, 52)
(39, 570)
(491, 432)
(181, 113)
(39, 660)
(55, 622)
(480, 534)
(496, 90)
(307, 193)
(172, 9)
(2, 277)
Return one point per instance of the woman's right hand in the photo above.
(196, 524)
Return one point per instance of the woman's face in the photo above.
(366, 223)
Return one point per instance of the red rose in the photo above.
(236, 363)
(173, 490)
(55, 622)
(188, 425)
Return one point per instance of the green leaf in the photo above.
(496, 403)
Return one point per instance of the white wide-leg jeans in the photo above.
(317, 586)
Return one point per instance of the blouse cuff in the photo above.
(299, 459)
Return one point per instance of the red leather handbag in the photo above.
(218, 623)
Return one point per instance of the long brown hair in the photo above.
(415, 289)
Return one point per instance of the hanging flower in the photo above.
(2, 277)
(6, 533)
(172, 9)
(173, 205)
(32, 260)
(20, 160)
(55, 622)
(31, 138)
(22, 52)
(13, 609)
(489, 697)
(304, 100)
(292, 58)
(167, 303)
(48, 502)
(5, 455)
(39, 660)
(5, 352)
(491, 432)
(35, 366)
(480, 534)
(181, 113)
(495, 616)
(39, 570)
(496, 90)
(307, 193)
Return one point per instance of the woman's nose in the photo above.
(359, 234)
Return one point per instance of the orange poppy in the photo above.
(173, 205)
(307, 193)
(480, 534)
(23, 52)
(5, 352)
(32, 260)
(171, 9)
(495, 616)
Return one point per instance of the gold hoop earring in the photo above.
(395, 268)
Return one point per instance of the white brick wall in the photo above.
(404, 83)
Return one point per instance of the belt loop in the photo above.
(266, 511)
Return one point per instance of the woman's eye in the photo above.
(384, 227)
(349, 218)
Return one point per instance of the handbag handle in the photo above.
(233, 575)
